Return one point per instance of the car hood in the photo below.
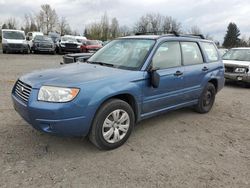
(72, 75)
(233, 62)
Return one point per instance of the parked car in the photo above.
(128, 80)
(91, 46)
(237, 64)
(76, 57)
(14, 41)
(30, 37)
(80, 39)
(43, 43)
(68, 44)
(55, 37)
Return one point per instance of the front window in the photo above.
(13, 35)
(237, 55)
(124, 53)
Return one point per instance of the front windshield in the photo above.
(237, 55)
(124, 53)
(42, 38)
(70, 39)
(13, 35)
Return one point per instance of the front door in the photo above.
(167, 60)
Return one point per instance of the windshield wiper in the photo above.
(100, 63)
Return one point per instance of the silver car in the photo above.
(237, 64)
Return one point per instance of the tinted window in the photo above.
(191, 53)
(210, 51)
(167, 55)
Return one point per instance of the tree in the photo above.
(170, 24)
(156, 24)
(4, 26)
(47, 18)
(231, 38)
(105, 27)
(63, 26)
(195, 30)
(114, 28)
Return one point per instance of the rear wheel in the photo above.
(112, 124)
(4, 51)
(206, 99)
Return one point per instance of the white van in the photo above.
(14, 41)
(30, 36)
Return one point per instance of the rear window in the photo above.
(211, 51)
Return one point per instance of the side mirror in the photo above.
(154, 77)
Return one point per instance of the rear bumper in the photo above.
(56, 119)
(238, 77)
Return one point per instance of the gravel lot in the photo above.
(178, 149)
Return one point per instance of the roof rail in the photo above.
(171, 33)
(158, 33)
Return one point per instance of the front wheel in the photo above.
(206, 99)
(112, 124)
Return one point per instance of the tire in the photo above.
(4, 52)
(206, 100)
(116, 134)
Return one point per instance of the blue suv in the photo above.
(128, 80)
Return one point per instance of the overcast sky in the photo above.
(211, 16)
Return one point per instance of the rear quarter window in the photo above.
(210, 51)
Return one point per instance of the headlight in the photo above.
(240, 70)
(62, 45)
(57, 94)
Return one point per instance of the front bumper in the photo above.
(74, 50)
(15, 47)
(40, 49)
(61, 119)
(241, 77)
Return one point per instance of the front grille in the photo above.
(15, 45)
(70, 45)
(229, 69)
(22, 90)
(45, 45)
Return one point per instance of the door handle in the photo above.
(204, 69)
(178, 73)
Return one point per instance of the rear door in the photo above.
(167, 60)
(195, 69)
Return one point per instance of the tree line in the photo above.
(47, 20)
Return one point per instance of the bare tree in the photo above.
(170, 24)
(114, 28)
(105, 26)
(11, 23)
(63, 26)
(124, 31)
(47, 18)
(195, 30)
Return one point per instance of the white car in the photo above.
(14, 41)
(237, 64)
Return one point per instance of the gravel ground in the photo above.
(178, 149)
